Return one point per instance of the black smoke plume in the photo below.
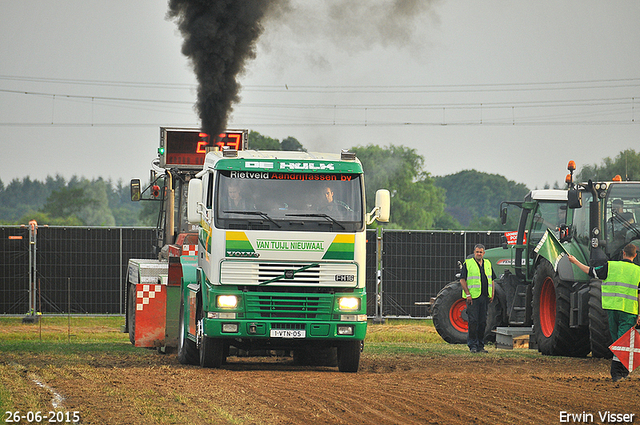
(219, 37)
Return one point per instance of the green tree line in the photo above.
(466, 200)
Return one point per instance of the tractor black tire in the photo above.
(449, 314)
(598, 323)
(349, 356)
(131, 313)
(551, 310)
(494, 319)
(187, 350)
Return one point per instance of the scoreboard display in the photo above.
(187, 147)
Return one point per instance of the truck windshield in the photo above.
(289, 201)
(621, 214)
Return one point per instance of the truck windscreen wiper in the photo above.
(328, 217)
(260, 213)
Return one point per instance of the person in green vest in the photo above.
(620, 297)
(476, 279)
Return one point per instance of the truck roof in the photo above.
(283, 161)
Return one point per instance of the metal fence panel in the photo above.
(79, 269)
(417, 264)
(87, 265)
(14, 269)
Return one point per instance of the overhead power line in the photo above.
(415, 88)
(465, 105)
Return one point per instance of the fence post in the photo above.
(32, 315)
(120, 265)
(378, 319)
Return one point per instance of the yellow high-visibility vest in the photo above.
(620, 288)
(474, 283)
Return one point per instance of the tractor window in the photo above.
(548, 215)
(580, 227)
(621, 215)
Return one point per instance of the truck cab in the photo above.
(281, 257)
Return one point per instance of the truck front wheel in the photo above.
(213, 352)
(349, 356)
(551, 314)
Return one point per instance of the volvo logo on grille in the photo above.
(289, 274)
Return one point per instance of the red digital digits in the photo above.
(230, 140)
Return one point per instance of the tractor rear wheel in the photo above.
(551, 309)
(449, 314)
(598, 323)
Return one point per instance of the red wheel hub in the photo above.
(547, 307)
(455, 316)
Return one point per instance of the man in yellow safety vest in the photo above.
(476, 279)
(620, 298)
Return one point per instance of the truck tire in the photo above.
(598, 323)
(212, 350)
(551, 309)
(349, 356)
(449, 314)
(187, 351)
(131, 313)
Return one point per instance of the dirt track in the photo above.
(405, 389)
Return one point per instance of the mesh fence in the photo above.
(79, 269)
(83, 270)
(417, 264)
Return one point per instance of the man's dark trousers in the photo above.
(477, 318)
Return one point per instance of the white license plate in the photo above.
(288, 333)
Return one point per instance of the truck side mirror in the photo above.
(574, 199)
(383, 204)
(135, 190)
(382, 209)
(194, 198)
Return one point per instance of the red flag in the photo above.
(627, 349)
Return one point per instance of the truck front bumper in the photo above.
(287, 332)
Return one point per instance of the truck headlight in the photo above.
(227, 301)
(349, 303)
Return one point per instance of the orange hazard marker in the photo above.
(627, 349)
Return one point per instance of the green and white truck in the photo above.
(281, 257)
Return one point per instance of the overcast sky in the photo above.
(516, 88)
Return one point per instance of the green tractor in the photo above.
(559, 303)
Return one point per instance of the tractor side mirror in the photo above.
(135, 190)
(574, 199)
(503, 214)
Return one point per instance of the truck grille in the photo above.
(262, 305)
(256, 273)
